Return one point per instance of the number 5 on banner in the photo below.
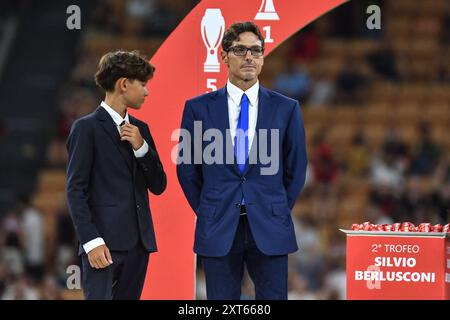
(210, 85)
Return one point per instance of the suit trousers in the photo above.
(223, 275)
(122, 280)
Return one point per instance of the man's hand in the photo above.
(131, 134)
(100, 257)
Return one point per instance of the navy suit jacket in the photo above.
(107, 186)
(214, 191)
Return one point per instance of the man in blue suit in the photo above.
(243, 207)
(112, 164)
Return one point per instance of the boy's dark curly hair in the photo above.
(118, 64)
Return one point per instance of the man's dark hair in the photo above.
(118, 64)
(233, 32)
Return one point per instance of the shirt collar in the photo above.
(117, 118)
(236, 93)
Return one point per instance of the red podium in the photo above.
(384, 265)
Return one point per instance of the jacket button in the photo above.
(138, 207)
(238, 205)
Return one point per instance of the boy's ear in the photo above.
(121, 84)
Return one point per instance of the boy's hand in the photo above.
(131, 134)
(100, 257)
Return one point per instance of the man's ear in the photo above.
(224, 57)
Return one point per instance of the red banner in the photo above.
(188, 64)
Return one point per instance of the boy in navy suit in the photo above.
(112, 164)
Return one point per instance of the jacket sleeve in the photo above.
(80, 147)
(294, 156)
(150, 163)
(189, 174)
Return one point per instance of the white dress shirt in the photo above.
(90, 245)
(234, 95)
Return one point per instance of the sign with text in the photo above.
(397, 266)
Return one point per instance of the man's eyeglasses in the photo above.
(241, 51)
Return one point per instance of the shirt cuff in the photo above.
(139, 153)
(89, 246)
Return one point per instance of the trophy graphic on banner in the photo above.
(212, 29)
(267, 11)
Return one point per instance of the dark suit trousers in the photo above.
(224, 274)
(123, 280)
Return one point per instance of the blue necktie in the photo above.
(241, 138)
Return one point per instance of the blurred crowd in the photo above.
(25, 272)
(376, 110)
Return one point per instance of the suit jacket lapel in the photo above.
(110, 127)
(264, 119)
(133, 163)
